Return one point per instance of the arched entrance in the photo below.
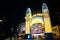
(36, 19)
(37, 28)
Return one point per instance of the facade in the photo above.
(55, 29)
(41, 19)
(38, 25)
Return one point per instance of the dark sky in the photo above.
(13, 12)
(37, 5)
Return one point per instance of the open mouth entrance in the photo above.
(37, 30)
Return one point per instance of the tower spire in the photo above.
(44, 8)
(27, 23)
(28, 10)
(28, 13)
(47, 22)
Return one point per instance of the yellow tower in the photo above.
(27, 20)
(47, 21)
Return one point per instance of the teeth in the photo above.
(28, 10)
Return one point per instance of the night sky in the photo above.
(13, 12)
(37, 5)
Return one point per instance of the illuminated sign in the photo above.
(37, 29)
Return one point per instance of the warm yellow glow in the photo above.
(34, 15)
(56, 30)
(30, 16)
(48, 28)
(37, 21)
(39, 14)
(27, 28)
(27, 31)
(28, 19)
(30, 22)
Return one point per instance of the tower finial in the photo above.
(28, 10)
(28, 13)
(44, 7)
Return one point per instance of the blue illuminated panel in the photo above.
(28, 36)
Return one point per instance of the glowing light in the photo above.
(34, 15)
(48, 28)
(28, 36)
(23, 28)
(28, 18)
(39, 26)
(1, 20)
(39, 14)
(37, 20)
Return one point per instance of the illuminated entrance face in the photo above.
(37, 29)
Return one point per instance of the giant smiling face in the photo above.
(37, 29)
